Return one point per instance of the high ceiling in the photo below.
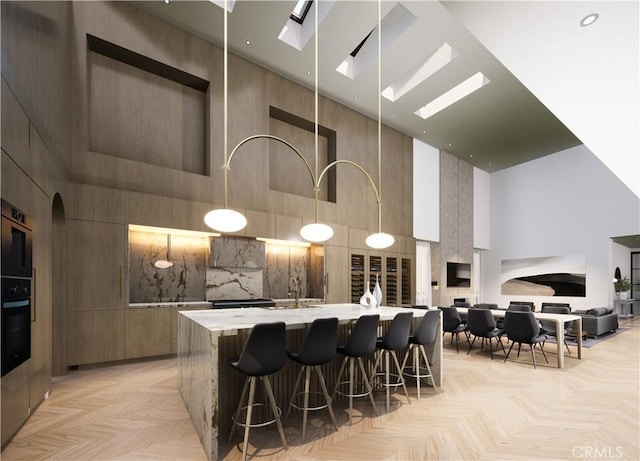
(500, 125)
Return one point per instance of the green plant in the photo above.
(624, 284)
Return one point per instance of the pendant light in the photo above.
(225, 219)
(380, 239)
(165, 263)
(316, 232)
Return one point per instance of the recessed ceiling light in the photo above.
(393, 116)
(449, 144)
(471, 155)
(589, 19)
(424, 131)
(248, 42)
(166, 1)
(355, 96)
(308, 72)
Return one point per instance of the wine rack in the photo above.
(406, 281)
(375, 268)
(357, 277)
(391, 282)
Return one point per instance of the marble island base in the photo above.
(209, 387)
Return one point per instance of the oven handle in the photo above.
(14, 304)
(33, 294)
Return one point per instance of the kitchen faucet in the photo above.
(296, 290)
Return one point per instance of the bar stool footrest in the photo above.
(300, 407)
(243, 413)
(356, 385)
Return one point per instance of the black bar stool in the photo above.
(361, 342)
(319, 347)
(425, 334)
(264, 353)
(397, 338)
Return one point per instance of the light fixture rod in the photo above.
(379, 113)
(225, 108)
(315, 188)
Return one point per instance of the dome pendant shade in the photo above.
(163, 264)
(316, 232)
(225, 220)
(380, 240)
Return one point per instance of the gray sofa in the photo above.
(598, 321)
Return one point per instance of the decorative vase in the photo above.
(377, 292)
(624, 295)
(367, 299)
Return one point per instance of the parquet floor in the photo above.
(488, 410)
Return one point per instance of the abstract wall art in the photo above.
(544, 276)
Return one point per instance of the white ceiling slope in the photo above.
(587, 76)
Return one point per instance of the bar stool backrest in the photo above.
(397, 336)
(265, 350)
(362, 340)
(427, 330)
(320, 343)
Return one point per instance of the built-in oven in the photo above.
(16, 322)
(16, 242)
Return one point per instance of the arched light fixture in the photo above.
(380, 239)
(225, 219)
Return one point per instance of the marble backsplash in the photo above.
(184, 281)
(208, 268)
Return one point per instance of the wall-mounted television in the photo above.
(458, 274)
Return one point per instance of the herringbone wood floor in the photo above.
(487, 410)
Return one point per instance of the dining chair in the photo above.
(523, 328)
(549, 326)
(452, 323)
(481, 323)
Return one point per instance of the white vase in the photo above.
(367, 299)
(624, 295)
(377, 292)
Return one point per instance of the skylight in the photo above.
(440, 58)
(455, 94)
(300, 10)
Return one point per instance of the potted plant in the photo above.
(622, 286)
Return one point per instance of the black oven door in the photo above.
(16, 242)
(15, 326)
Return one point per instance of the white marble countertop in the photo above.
(229, 321)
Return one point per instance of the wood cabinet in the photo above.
(147, 332)
(96, 255)
(40, 364)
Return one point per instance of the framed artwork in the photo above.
(545, 276)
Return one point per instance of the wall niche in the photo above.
(210, 267)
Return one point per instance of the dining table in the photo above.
(561, 322)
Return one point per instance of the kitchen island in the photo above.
(210, 389)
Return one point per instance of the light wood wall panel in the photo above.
(147, 332)
(95, 336)
(96, 252)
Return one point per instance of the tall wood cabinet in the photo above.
(392, 270)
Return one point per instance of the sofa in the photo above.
(598, 320)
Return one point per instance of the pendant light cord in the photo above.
(316, 185)
(379, 115)
(225, 126)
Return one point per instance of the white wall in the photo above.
(544, 46)
(481, 209)
(562, 204)
(426, 192)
